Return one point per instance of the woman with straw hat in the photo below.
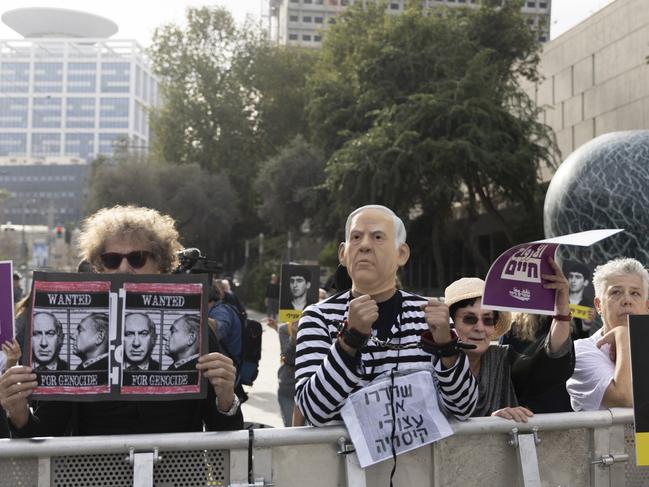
(507, 378)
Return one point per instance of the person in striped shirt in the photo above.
(351, 338)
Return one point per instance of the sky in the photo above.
(137, 19)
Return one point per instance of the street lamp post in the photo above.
(261, 248)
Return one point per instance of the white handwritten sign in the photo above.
(417, 420)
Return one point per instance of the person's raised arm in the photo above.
(619, 391)
(327, 370)
(437, 318)
(363, 312)
(457, 386)
(560, 328)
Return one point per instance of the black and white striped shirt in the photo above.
(325, 375)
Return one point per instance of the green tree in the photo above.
(202, 203)
(425, 112)
(204, 118)
(230, 99)
(277, 78)
(291, 186)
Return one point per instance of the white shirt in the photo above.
(594, 371)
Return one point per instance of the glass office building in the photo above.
(64, 94)
(68, 93)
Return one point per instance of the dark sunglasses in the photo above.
(473, 319)
(136, 259)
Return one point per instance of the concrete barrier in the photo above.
(568, 449)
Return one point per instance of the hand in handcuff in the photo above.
(447, 349)
(440, 339)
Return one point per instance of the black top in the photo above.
(54, 418)
(272, 291)
(60, 418)
(388, 311)
(551, 396)
(540, 381)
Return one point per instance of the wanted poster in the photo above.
(94, 337)
(298, 288)
(162, 338)
(68, 337)
(6, 301)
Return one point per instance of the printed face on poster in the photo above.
(106, 337)
(6, 301)
(580, 287)
(161, 338)
(298, 288)
(69, 339)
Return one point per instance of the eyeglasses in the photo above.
(473, 319)
(136, 259)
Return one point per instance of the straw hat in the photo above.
(473, 287)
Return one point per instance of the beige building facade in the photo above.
(596, 76)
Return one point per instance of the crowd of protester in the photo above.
(484, 362)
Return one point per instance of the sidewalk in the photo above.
(262, 406)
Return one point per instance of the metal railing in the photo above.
(567, 449)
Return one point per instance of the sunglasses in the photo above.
(136, 259)
(473, 319)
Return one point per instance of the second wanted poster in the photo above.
(161, 338)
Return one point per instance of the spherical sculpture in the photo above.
(603, 184)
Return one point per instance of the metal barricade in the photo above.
(569, 449)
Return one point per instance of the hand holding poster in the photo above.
(514, 281)
(417, 420)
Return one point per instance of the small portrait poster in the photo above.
(162, 338)
(580, 287)
(298, 288)
(68, 339)
(6, 301)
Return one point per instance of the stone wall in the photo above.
(596, 76)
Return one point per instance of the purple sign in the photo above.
(6, 301)
(514, 280)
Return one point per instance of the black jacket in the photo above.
(60, 418)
